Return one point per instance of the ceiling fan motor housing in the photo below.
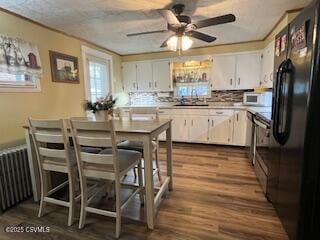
(178, 8)
(184, 19)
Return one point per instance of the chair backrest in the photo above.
(98, 134)
(117, 114)
(144, 113)
(51, 143)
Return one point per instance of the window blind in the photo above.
(8, 80)
(99, 78)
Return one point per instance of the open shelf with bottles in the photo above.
(192, 78)
(191, 71)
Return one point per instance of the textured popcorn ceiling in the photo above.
(106, 22)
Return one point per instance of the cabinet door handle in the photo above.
(212, 124)
(219, 112)
(237, 117)
(231, 81)
(271, 77)
(155, 84)
(149, 84)
(264, 78)
(192, 122)
(185, 122)
(238, 81)
(134, 85)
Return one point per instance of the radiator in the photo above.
(15, 182)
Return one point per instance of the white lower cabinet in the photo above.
(198, 129)
(215, 126)
(180, 128)
(164, 114)
(220, 129)
(240, 128)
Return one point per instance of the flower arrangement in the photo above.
(105, 104)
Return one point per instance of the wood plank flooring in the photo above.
(216, 196)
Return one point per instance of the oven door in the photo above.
(261, 152)
(250, 135)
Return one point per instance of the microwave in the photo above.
(257, 99)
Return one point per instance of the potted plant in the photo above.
(101, 108)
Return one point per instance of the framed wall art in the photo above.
(64, 68)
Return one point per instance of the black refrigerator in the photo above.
(293, 184)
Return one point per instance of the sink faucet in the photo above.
(192, 95)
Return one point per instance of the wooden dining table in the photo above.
(135, 130)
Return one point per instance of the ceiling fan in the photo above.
(183, 28)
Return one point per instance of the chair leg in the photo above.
(44, 191)
(118, 208)
(71, 199)
(83, 213)
(140, 179)
(157, 164)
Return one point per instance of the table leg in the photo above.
(169, 155)
(33, 166)
(148, 174)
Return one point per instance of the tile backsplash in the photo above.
(141, 98)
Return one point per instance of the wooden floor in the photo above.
(216, 196)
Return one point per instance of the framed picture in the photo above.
(64, 68)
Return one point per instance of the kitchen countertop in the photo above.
(266, 116)
(218, 105)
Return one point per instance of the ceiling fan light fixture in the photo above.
(173, 43)
(186, 42)
(179, 43)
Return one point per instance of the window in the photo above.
(18, 82)
(192, 89)
(97, 67)
(98, 78)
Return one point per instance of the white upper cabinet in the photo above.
(236, 72)
(144, 76)
(266, 79)
(248, 70)
(161, 75)
(223, 72)
(129, 75)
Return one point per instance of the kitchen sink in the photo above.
(191, 105)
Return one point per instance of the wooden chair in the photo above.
(109, 164)
(52, 133)
(143, 113)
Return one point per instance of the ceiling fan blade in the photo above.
(215, 21)
(169, 16)
(144, 33)
(201, 36)
(164, 44)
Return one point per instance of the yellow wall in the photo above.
(56, 100)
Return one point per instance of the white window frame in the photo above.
(21, 88)
(86, 53)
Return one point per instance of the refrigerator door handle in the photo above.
(281, 133)
(275, 109)
(287, 70)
